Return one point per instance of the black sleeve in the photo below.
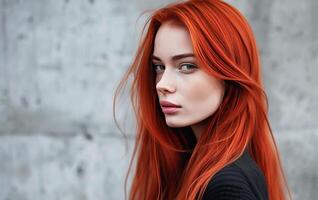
(230, 183)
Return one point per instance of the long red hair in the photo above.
(170, 164)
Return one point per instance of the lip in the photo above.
(170, 110)
(164, 103)
(169, 107)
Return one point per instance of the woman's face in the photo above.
(180, 80)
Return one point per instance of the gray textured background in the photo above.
(61, 60)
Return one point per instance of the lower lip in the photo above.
(170, 110)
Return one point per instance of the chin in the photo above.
(175, 125)
(172, 125)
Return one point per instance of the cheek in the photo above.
(203, 95)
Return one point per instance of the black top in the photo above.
(242, 179)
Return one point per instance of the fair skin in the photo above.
(182, 82)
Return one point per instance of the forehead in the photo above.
(172, 39)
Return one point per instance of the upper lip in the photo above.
(164, 103)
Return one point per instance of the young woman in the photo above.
(201, 109)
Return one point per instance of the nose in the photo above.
(165, 83)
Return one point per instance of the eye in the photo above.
(158, 68)
(186, 67)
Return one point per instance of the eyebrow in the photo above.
(176, 57)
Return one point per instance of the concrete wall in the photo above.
(61, 60)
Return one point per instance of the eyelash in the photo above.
(188, 64)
